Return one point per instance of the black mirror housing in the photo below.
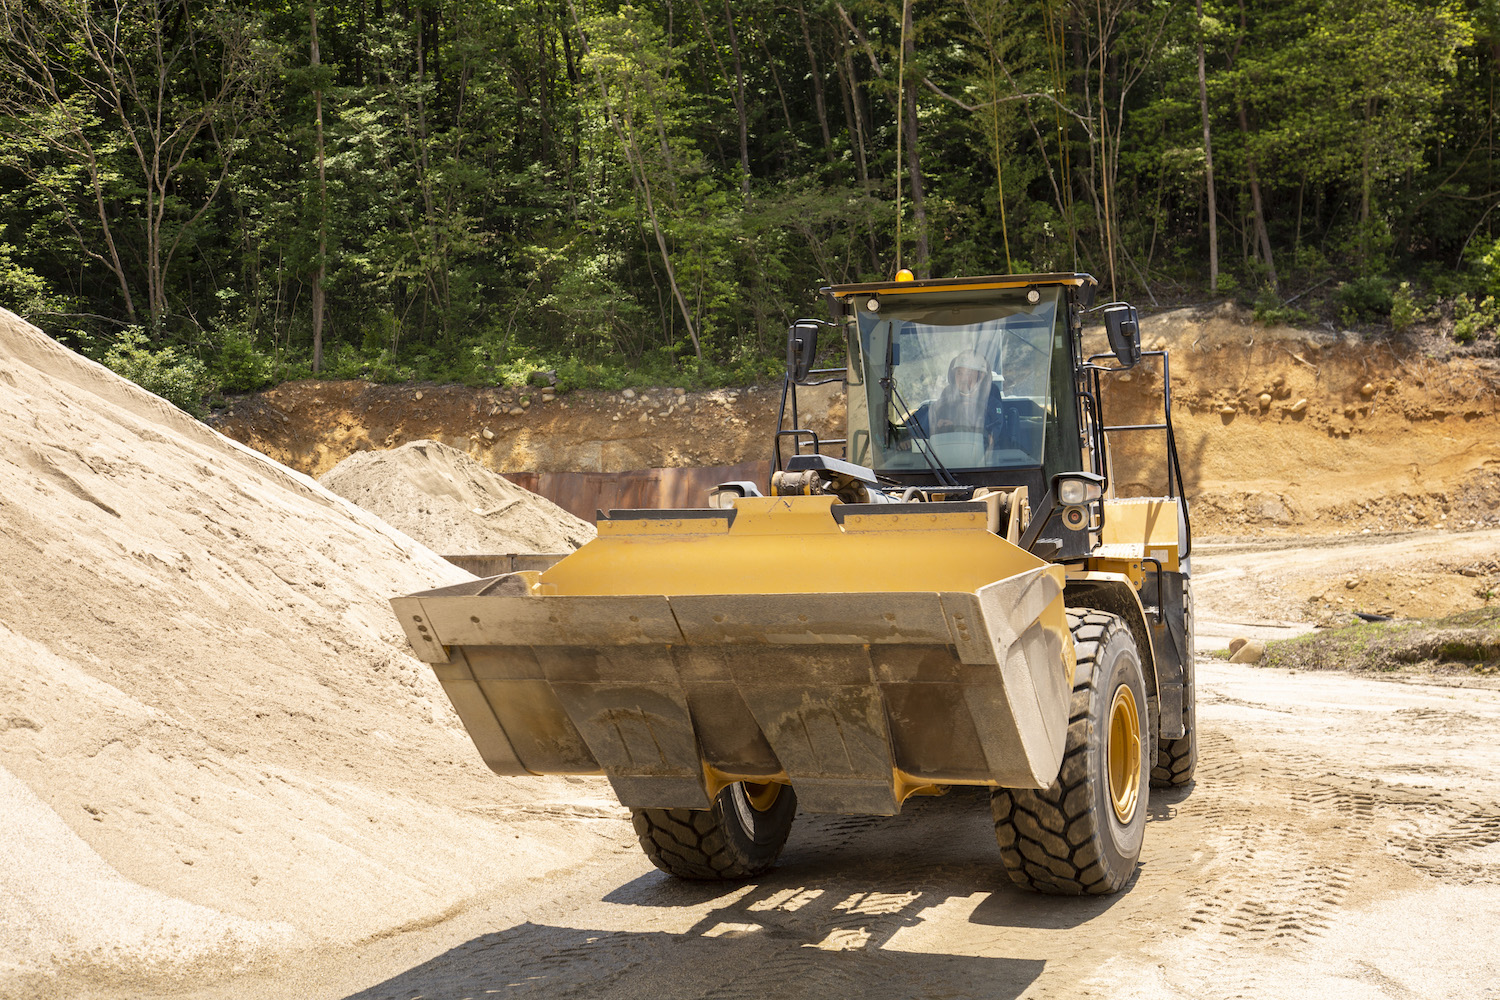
(1123, 327)
(801, 349)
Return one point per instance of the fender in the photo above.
(1116, 594)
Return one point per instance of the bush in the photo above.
(1485, 255)
(180, 379)
(1364, 300)
(1404, 309)
(1470, 320)
(1270, 310)
(238, 365)
(22, 290)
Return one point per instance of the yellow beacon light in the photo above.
(905, 275)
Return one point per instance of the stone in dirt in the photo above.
(219, 751)
(452, 504)
(1249, 652)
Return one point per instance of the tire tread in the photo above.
(1048, 837)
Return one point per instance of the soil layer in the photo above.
(1280, 431)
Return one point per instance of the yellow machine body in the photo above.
(859, 652)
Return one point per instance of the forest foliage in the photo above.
(228, 193)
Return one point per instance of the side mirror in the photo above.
(1123, 327)
(801, 348)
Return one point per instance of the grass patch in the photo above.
(1468, 642)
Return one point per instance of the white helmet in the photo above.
(973, 362)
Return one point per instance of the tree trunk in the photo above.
(739, 102)
(786, 111)
(318, 272)
(644, 182)
(624, 130)
(1262, 236)
(1104, 171)
(854, 115)
(918, 198)
(737, 92)
(95, 174)
(913, 153)
(992, 36)
(434, 265)
(1364, 189)
(1208, 165)
(817, 83)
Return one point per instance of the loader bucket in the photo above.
(859, 652)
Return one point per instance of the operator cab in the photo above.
(961, 387)
(966, 382)
(979, 386)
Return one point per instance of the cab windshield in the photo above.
(964, 383)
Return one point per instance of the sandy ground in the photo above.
(452, 504)
(1342, 840)
(216, 751)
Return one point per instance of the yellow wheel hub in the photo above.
(762, 797)
(1123, 755)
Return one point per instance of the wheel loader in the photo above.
(950, 593)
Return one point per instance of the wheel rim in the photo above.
(752, 799)
(761, 797)
(1124, 763)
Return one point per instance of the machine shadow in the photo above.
(533, 960)
(826, 922)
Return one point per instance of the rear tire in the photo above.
(740, 836)
(1177, 759)
(1083, 834)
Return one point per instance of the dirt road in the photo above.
(1279, 587)
(1343, 840)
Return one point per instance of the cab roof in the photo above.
(981, 283)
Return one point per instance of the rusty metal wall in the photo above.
(585, 493)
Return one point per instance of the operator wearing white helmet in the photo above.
(971, 399)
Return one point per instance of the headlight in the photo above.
(1073, 491)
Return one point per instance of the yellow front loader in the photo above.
(956, 598)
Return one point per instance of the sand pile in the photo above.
(215, 750)
(452, 504)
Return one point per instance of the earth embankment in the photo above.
(1281, 431)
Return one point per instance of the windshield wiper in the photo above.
(888, 383)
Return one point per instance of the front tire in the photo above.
(740, 836)
(1083, 833)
